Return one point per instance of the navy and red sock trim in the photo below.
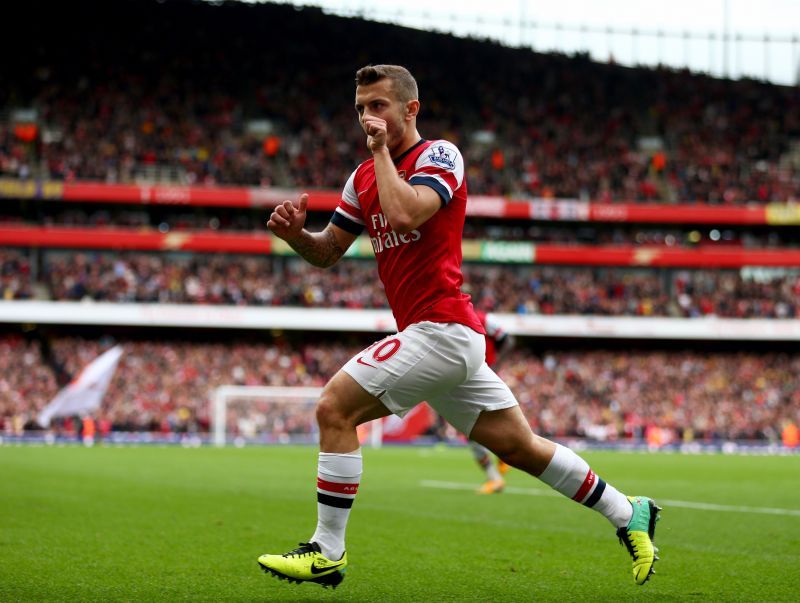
(592, 484)
(335, 501)
(598, 492)
(346, 490)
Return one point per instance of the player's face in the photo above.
(379, 100)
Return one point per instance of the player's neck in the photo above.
(409, 140)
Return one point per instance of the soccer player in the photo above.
(411, 198)
(498, 343)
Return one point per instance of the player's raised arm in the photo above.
(322, 249)
(406, 207)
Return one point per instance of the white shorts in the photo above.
(443, 364)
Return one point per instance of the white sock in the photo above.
(338, 476)
(571, 475)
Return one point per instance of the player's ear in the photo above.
(412, 108)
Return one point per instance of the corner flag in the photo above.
(86, 392)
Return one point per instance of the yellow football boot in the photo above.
(305, 564)
(638, 537)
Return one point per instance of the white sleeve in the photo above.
(349, 207)
(441, 167)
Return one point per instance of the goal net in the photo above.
(244, 414)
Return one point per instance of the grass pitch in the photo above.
(146, 524)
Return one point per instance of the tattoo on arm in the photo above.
(319, 249)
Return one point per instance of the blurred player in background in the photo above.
(411, 198)
(498, 343)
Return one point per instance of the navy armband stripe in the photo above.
(346, 224)
(433, 183)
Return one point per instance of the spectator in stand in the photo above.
(27, 384)
(15, 275)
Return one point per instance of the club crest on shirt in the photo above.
(402, 174)
(440, 156)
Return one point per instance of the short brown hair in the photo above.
(404, 84)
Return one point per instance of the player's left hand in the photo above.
(376, 133)
(288, 219)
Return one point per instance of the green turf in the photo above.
(145, 524)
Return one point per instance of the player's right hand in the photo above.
(287, 220)
(377, 131)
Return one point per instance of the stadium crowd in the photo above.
(159, 98)
(288, 281)
(164, 386)
(688, 394)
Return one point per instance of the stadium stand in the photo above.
(160, 102)
(278, 281)
(603, 191)
(603, 395)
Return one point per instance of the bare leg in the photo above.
(507, 433)
(343, 406)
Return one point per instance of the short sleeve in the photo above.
(347, 215)
(440, 167)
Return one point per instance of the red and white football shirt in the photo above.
(421, 270)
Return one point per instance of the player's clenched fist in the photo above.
(376, 133)
(287, 220)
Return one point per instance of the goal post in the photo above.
(272, 414)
